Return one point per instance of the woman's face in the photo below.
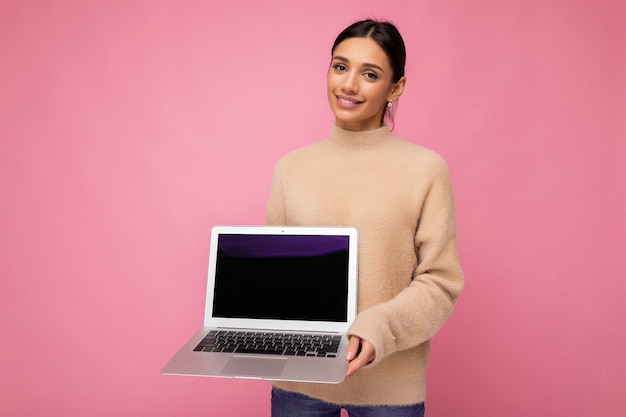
(360, 84)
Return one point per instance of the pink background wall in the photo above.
(129, 128)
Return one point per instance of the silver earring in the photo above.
(389, 103)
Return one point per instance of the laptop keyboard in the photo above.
(269, 343)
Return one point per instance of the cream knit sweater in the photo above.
(399, 197)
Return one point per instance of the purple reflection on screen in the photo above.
(281, 245)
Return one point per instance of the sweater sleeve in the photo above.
(416, 314)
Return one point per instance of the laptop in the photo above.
(278, 303)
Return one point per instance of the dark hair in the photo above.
(387, 36)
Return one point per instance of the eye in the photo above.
(371, 76)
(339, 67)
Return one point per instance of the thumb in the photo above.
(354, 345)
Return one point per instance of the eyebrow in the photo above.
(366, 65)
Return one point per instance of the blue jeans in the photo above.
(293, 404)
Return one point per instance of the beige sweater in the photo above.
(399, 197)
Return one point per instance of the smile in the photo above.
(347, 103)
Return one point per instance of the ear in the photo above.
(397, 89)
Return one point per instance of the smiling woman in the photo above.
(367, 70)
(360, 84)
(399, 197)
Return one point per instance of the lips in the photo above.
(347, 102)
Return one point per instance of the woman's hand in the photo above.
(360, 353)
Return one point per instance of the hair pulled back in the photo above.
(386, 35)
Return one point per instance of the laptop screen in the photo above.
(282, 277)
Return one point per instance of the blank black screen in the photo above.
(289, 277)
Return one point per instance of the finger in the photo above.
(353, 347)
(366, 356)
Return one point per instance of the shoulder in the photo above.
(420, 157)
(303, 151)
(299, 156)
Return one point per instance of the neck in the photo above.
(360, 140)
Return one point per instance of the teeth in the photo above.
(343, 100)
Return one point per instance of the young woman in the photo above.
(399, 197)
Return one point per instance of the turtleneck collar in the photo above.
(359, 140)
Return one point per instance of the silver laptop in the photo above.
(278, 303)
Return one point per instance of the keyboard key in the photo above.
(259, 351)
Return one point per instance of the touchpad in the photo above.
(249, 366)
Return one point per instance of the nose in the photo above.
(350, 83)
